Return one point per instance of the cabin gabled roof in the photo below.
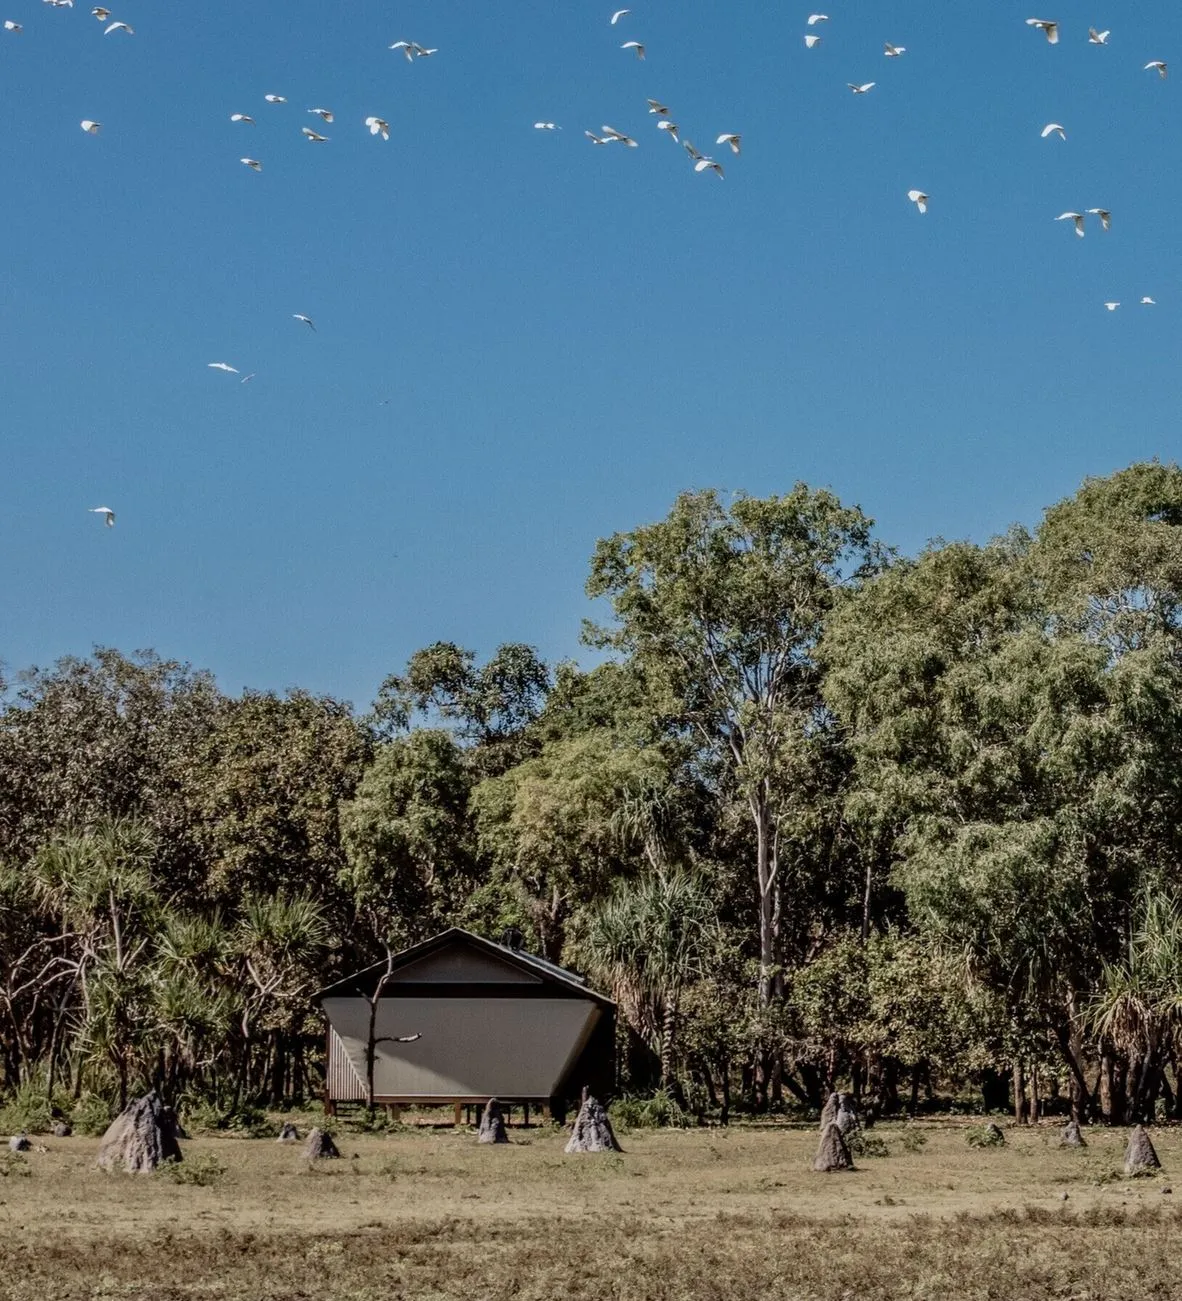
(540, 975)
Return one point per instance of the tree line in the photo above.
(821, 814)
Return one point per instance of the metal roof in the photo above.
(545, 970)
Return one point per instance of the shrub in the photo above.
(912, 1140)
(987, 1135)
(91, 1115)
(204, 1117)
(200, 1171)
(862, 1144)
(12, 1163)
(27, 1111)
(661, 1110)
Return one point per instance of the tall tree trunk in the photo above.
(668, 1030)
(768, 955)
(1019, 1093)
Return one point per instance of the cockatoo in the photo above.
(919, 199)
(610, 133)
(1047, 26)
(106, 512)
(1104, 215)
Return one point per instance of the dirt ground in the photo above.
(431, 1215)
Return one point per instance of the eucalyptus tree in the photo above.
(490, 706)
(106, 736)
(1014, 712)
(721, 608)
(408, 838)
(562, 826)
(270, 779)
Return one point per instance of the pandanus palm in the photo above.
(1139, 1007)
(648, 941)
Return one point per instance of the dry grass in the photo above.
(702, 1214)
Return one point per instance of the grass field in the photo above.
(697, 1214)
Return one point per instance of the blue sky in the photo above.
(525, 342)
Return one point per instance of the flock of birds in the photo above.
(607, 135)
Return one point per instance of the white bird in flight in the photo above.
(221, 365)
(595, 140)
(620, 13)
(667, 124)
(1053, 128)
(325, 114)
(307, 320)
(733, 139)
(634, 45)
(252, 163)
(91, 128)
(1097, 38)
(1077, 218)
(814, 19)
(709, 165)
(1159, 64)
(242, 117)
(655, 106)
(919, 199)
(313, 136)
(810, 41)
(1148, 302)
(101, 13)
(10, 26)
(610, 133)
(1112, 306)
(1047, 26)
(275, 99)
(893, 51)
(862, 89)
(119, 27)
(547, 126)
(106, 512)
(1104, 215)
(688, 146)
(378, 126)
(412, 50)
